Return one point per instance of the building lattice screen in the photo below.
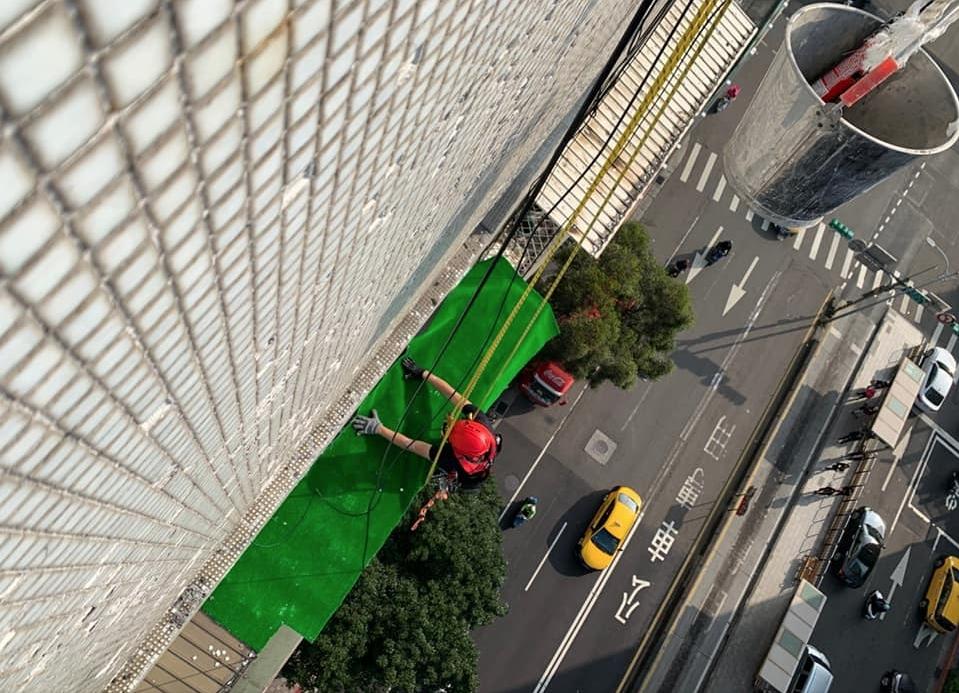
(210, 213)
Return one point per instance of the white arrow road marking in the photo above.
(924, 633)
(736, 292)
(898, 575)
(699, 261)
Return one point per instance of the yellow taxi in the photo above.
(940, 607)
(616, 515)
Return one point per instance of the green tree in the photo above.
(618, 315)
(405, 625)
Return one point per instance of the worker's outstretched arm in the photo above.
(371, 425)
(412, 370)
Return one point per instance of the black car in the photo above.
(859, 546)
(897, 682)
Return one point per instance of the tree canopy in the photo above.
(618, 315)
(406, 624)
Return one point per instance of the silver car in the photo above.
(859, 546)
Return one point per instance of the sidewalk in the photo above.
(744, 587)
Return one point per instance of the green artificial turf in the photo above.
(308, 555)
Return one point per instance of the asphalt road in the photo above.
(568, 630)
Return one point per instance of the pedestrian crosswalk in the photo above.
(819, 243)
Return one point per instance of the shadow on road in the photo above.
(706, 369)
(563, 556)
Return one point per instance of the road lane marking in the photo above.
(545, 556)
(683, 239)
(832, 251)
(737, 291)
(904, 306)
(749, 215)
(636, 408)
(730, 355)
(720, 187)
(690, 162)
(918, 315)
(952, 341)
(712, 241)
(936, 333)
(710, 162)
(861, 279)
(877, 280)
(814, 251)
(542, 452)
(897, 453)
(584, 611)
(919, 469)
(797, 242)
(845, 264)
(734, 203)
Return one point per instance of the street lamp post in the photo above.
(932, 243)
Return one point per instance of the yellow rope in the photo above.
(675, 58)
(659, 113)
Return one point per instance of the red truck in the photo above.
(545, 383)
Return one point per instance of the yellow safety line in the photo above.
(665, 74)
(659, 113)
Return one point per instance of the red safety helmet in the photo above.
(473, 445)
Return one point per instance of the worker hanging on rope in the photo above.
(471, 446)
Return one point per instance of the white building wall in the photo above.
(209, 211)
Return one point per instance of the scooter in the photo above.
(875, 605)
(718, 252)
(677, 268)
(526, 511)
(781, 232)
(723, 102)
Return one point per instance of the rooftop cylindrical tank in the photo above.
(794, 159)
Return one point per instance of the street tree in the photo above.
(618, 315)
(405, 625)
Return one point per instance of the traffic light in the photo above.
(842, 229)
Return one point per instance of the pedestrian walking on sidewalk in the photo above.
(830, 491)
(866, 410)
(867, 393)
(856, 435)
(836, 467)
(859, 455)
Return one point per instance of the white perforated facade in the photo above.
(211, 213)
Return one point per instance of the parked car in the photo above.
(897, 682)
(940, 606)
(859, 546)
(814, 674)
(615, 517)
(940, 369)
(545, 383)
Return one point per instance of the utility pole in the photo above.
(905, 284)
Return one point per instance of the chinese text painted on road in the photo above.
(663, 541)
(691, 488)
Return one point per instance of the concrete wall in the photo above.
(209, 213)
